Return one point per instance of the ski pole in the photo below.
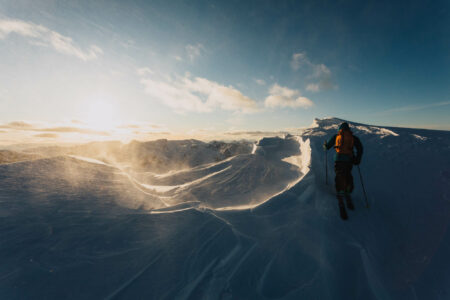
(364, 190)
(326, 167)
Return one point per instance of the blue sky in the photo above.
(194, 66)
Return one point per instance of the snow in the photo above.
(91, 160)
(420, 138)
(382, 132)
(195, 220)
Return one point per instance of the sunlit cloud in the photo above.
(173, 96)
(224, 97)
(42, 36)
(17, 132)
(47, 135)
(194, 51)
(67, 129)
(16, 125)
(39, 132)
(137, 132)
(144, 127)
(23, 126)
(197, 95)
(280, 96)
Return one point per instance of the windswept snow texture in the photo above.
(246, 224)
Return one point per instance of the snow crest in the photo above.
(242, 220)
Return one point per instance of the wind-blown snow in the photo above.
(193, 220)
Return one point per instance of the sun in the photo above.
(101, 114)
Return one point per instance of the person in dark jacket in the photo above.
(344, 142)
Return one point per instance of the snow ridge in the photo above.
(233, 221)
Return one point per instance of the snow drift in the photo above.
(251, 222)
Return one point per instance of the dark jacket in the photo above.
(345, 157)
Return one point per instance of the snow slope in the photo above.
(260, 225)
(8, 156)
(158, 156)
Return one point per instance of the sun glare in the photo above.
(101, 115)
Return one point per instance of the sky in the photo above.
(195, 68)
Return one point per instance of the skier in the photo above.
(344, 142)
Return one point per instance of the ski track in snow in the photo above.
(132, 279)
(287, 244)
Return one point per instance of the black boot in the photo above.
(342, 210)
(349, 202)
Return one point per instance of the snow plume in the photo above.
(42, 36)
(197, 95)
(319, 73)
(299, 59)
(284, 97)
(322, 75)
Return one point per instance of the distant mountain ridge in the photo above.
(158, 156)
(8, 156)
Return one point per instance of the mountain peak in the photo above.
(326, 122)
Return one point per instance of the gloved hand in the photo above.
(356, 160)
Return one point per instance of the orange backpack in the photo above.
(344, 142)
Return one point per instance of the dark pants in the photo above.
(344, 178)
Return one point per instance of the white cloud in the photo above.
(173, 95)
(197, 95)
(284, 97)
(225, 97)
(194, 51)
(42, 36)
